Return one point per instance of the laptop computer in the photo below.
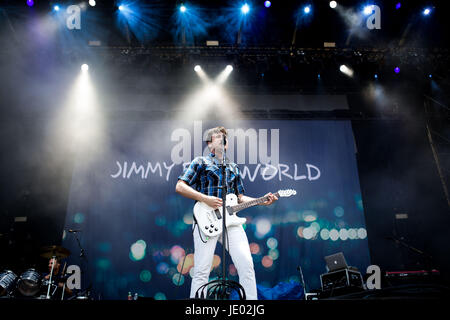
(336, 262)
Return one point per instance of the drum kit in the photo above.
(31, 283)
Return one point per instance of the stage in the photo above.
(336, 143)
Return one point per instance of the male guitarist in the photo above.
(202, 181)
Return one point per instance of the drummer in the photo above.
(58, 278)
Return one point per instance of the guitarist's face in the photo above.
(216, 143)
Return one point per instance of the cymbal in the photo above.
(54, 251)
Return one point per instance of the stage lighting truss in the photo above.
(248, 59)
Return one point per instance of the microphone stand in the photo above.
(51, 275)
(218, 288)
(428, 259)
(299, 269)
(64, 286)
(224, 284)
(82, 255)
(224, 212)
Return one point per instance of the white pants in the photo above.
(239, 251)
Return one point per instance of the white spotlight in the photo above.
(333, 4)
(346, 70)
(92, 3)
(223, 76)
(201, 74)
(84, 67)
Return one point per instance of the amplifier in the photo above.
(339, 279)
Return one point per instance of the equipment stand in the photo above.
(50, 279)
(222, 288)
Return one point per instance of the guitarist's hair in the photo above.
(214, 131)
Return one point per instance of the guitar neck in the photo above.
(251, 203)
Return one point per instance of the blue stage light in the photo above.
(121, 8)
(397, 70)
(307, 9)
(245, 8)
(30, 3)
(182, 8)
(375, 76)
(267, 4)
(426, 11)
(367, 10)
(398, 5)
(56, 7)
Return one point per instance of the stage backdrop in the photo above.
(136, 231)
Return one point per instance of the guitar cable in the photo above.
(199, 232)
(182, 266)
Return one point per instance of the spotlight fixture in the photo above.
(197, 68)
(223, 76)
(182, 8)
(367, 10)
(267, 4)
(346, 70)
(245, 9)
(397, 70)
(333, 4)
(84, 67)
(307, 9)
(92, 3)
(30, 3)
(426, 11)
(56, 7)
(121, 8)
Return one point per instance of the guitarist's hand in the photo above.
(213, 202)
(272, 199)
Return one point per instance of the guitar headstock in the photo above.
(287, 192)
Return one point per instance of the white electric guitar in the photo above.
(210, 220)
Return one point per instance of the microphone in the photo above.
(73, 231)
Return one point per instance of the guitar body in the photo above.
(210, 221)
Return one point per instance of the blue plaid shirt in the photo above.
(205, 176)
